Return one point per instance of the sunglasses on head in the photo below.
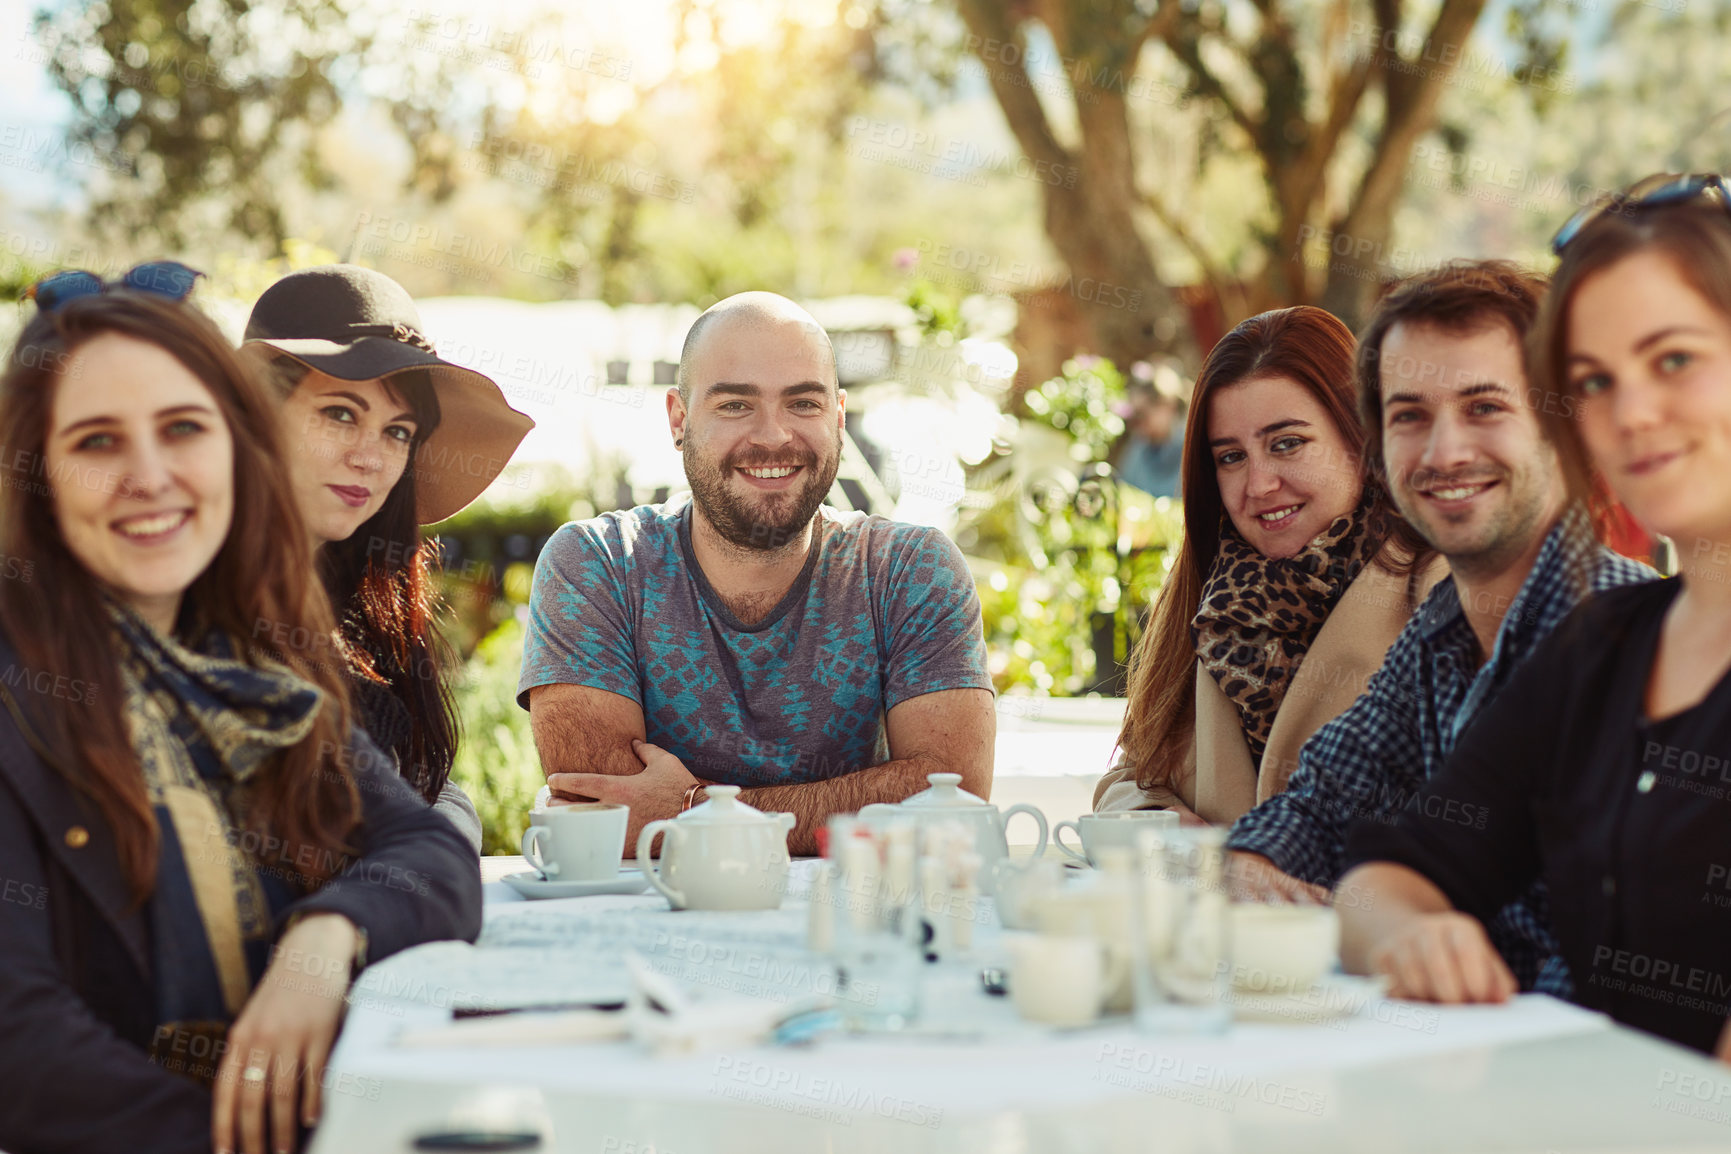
(163, 278)
(1658, 191)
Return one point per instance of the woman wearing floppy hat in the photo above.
(383, 437)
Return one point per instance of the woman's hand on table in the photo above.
(286, 1030)
(1443, 957)
(1254, 878)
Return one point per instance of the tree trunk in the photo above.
(1411, 91)
(1088, 195)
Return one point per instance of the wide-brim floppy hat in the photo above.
(359, 325)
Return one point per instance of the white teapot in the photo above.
(946, 800)
(721, 855)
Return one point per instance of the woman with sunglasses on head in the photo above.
(197, 848)
(1289, 558)
(383, 437)
(1605, 765)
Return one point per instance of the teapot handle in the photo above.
(1033, 812)
(645, 841)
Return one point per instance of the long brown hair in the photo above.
(259, 585)
(1306, 345)
(380, 582)
(1696, 238)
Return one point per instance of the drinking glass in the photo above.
(1181, 963)
(877, 922)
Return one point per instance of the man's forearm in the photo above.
(813, 802)
(578, 732)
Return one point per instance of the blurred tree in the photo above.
(177, 100)
(543, 149)
(1662, 96)
(1257, 147)
(1329, 101)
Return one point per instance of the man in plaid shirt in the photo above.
(1444, 394)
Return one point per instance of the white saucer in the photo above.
(532, 885)
(1332, 996)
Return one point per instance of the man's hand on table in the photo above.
(1444, 957)
(655, 793)
(1254, 878)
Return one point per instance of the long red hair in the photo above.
(1303, 344)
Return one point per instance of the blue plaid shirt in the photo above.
(1372, 760)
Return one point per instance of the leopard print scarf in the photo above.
(1258, 615)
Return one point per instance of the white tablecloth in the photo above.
(563, 951)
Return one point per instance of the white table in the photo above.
(1540, 1077)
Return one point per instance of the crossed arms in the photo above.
(592, 746)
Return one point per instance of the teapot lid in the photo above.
(723, 808)
(946, 792)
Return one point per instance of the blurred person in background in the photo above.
(1150, 454)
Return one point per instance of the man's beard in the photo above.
(1501, 537)
(771, 521)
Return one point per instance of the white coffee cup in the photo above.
(584, 842)
(1101, 830)
(1059, 980)
(1282, 949)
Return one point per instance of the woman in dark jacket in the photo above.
(383, 437)
(1604, 766)
(196, 848)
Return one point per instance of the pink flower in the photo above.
(907, 259)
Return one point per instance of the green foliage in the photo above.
(935, 310)
(177, 102)
(1080, 404)
(1068, 559)
(1048, 627)
(496, 762)
(491, 544)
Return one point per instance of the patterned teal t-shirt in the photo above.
(882, 612)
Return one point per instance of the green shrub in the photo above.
(1067, 558)
(496, 761)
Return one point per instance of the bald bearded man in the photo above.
(751, 636)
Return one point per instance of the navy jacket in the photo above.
(76, 996)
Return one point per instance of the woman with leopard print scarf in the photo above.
(1294, 576)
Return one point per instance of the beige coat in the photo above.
(1218, 781)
